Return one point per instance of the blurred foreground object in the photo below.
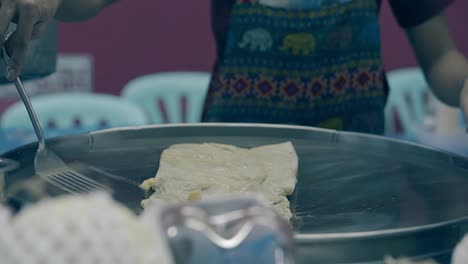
(79, 230)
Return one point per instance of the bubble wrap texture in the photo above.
(78, 230)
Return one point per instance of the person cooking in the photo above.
(304, 62)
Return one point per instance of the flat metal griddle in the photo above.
(358, 197)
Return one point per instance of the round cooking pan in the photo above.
(358, 197)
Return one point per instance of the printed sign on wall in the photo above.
(74, 74)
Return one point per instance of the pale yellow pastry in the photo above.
(191, 172)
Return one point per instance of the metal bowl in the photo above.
(358, 197)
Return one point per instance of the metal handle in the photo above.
(27, 103)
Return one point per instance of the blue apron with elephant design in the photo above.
(303, 62)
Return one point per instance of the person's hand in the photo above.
(464, 100)
(31, 17)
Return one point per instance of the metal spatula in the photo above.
(46, 163)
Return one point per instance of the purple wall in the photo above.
(129, 39)
(396, 49)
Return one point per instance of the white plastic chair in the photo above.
(408, 100)
(75, 111)
(170, 97)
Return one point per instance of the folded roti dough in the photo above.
(190, 172)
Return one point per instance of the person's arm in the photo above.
(77, 10)
(444, 66)
(32, 17)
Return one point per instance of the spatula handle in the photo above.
(27, 103)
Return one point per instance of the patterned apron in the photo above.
(315, 66)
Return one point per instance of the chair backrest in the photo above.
(75, 110)
(408, 100)
(170, 97)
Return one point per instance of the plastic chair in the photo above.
(75, 111)
(462, 119)
(170, 97)
(408, 101)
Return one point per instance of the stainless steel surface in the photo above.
(358, 197)
(41, 59)
(47, 164)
